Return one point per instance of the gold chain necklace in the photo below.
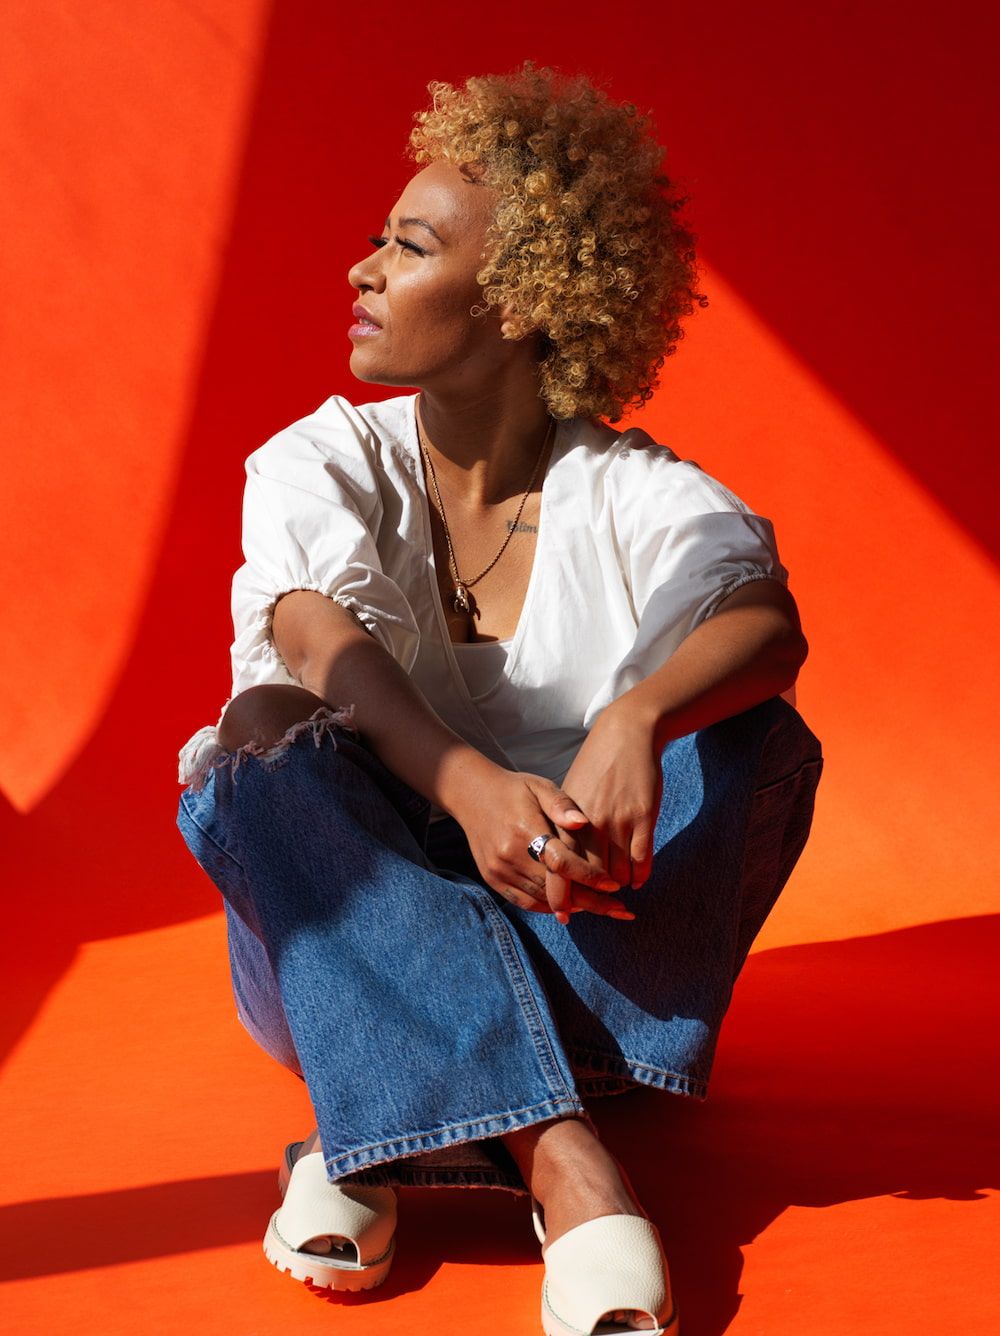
(461, 595)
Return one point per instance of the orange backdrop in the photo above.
(185, 188)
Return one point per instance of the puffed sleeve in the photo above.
(686, 542)
(312, 511)
(693, 543)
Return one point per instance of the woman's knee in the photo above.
(264, 713)
(789, 742)
(772, 735)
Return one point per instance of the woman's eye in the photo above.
(379, 242)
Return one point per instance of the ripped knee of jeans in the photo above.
(204, 753)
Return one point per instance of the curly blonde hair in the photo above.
(585, 244)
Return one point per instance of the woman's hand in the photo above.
(616, 779)
(507, 811)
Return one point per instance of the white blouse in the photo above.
(635, 548)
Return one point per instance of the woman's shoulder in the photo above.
(642, 472)
(336, 439)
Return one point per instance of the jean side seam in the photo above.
(526, 1001)
(790, 810)
(213, 841)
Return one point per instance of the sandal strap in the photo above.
(314, 1207)
(288, 1164)
(615, 1261)
(538, 1218)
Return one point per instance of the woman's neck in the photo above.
(485, 447)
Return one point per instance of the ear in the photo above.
(513, 326)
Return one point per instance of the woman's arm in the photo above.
(332, 655)
(749, 650)
(500, 810)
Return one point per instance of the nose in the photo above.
(366, 274)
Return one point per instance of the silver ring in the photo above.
(537, 845)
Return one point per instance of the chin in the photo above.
(374, 375)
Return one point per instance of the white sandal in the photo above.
(611, 1263)
(314, 1208)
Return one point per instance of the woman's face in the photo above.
(419, 285)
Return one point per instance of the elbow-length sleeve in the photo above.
(312, 512)
(687, 544)
(684, 561)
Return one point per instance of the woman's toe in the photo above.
(324, 1245)
(630, 1317)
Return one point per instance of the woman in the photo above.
(506, 785)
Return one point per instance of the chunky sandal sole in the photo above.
(322, 1271)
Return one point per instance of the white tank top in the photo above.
(482, 665)
(501, 707)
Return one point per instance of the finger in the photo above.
(558, 892)
(567, 897)
(571, 842)
(523, 899)
(507, 875)
(641, 854)
(618, 861)
(595, 903)
(529, 903)
(563, 811)
(533, 888)
(588, 849)
(563, 863)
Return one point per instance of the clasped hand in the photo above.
(603, 818)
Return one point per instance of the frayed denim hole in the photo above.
(322, 723)
(270, 764)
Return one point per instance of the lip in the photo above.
(364, 316)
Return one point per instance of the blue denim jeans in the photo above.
(428, 1015)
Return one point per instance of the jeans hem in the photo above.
(604, 1074)
(366, 1157)
(411, 1177)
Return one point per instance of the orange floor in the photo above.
(842, 1176)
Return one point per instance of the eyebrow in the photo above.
(417, 222)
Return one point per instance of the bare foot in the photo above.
(575, 1179)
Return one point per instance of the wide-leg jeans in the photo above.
(427, 1014)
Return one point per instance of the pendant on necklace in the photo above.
(461, 599)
